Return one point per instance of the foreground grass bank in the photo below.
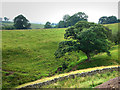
(84, 82)
(75, 73)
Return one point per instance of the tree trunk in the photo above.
(88, 56)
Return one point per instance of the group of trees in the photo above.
(80, 16)
(68, 20)
(20, 22)
(48, 25)
(72, 20)
(108, 20)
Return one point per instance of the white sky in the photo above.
(41, 12)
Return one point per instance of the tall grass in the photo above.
(84, 82)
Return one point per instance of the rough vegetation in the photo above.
(84, 82)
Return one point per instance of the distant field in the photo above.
(33, 25)
(28, 55)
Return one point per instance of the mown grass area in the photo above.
(28, 55)
(84, 82)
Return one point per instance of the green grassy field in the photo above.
(84, 82)
(28, 55)
(114, 27)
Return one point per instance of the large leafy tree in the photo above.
(20, 22)
(66, 17)
(48, 25)
(84, 36)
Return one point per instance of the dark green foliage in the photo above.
(66, 17)
(88, 37)
(71, 20)
(20, 22)
(108, 20)
(6, 19)
(118, 20)
(61, 24)
(48, 25)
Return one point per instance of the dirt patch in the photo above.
(111, 84)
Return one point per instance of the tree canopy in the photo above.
(108, 20)
(88, 37)
(72, 20)
(20, 22)
(6, 19)
(48, 25)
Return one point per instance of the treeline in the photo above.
(20, 22)
(80, 16)
(108, 20)
(69, 20)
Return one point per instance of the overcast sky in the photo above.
(42, 12)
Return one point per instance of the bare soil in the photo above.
(112, 84)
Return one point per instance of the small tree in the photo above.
(48, 25)
(88, 37)
(20, 22)
(6, 19)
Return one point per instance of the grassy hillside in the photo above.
(28, 55)
(114, 27)
(33, 25)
